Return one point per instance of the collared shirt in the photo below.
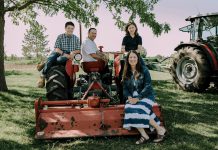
(131, 43)
(88, 47)
(67, 43)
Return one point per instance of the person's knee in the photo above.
(53, 56)
(61, 59)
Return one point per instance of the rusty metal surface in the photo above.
(93, 66)
(81, 122)
(67, 121)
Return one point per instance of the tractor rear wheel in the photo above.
(190, 69)
(56, 85)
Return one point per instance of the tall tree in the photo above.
(35, 43)
(81, 10)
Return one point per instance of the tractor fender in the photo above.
(71, 69)
(117, 65)
(211, 57)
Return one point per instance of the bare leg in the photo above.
(160, 130)
(144, 137)
(143, 133)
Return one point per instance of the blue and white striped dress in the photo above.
(138, 115)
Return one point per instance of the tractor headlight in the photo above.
(78, 57)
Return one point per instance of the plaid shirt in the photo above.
(67, 43)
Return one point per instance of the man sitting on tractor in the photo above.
(66, 46)
(89, 48)
(91, 53)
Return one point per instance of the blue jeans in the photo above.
(53, 59)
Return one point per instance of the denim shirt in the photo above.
(142, 86)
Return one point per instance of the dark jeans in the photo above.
(53, 59)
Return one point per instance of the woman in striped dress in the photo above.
(138, 92)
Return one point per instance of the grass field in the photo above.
(191, 118)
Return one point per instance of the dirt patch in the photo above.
(19, 67)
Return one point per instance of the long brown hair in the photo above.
(127, 26)
(127, 68)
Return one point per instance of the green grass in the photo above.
(191, 118)
(22, 61)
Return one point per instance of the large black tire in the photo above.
(191, 70)
(56, 85)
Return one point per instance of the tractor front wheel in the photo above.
(190, 69)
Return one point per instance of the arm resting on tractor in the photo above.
(99, 56)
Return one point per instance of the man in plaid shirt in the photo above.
(66, 46)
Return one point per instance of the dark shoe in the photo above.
(160, 137)
(40, 66)
(142, 140)
(41, 82)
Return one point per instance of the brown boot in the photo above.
(40, 66)
(41, 82)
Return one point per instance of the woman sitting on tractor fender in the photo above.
(139, 93)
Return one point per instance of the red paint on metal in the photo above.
(71, 69)
(93, 101)
(117, 65)
(66, 122)
(215, 61)
(63, 103)
(94, 66)
(93, 86)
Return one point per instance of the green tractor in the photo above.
(195, 64)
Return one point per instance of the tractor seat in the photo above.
(93, 66)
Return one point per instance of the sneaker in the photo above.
(40, 66)
(41, 82)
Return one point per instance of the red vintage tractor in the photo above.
(195, 65)
(92, 111)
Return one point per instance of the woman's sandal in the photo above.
(141, 140)
(160, 137)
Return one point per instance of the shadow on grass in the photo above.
(25, 91)
(169, 84)
(12, 145)
(16, 72)
(31, 92)
(181, 110)
(179, 139)
(23, 98)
